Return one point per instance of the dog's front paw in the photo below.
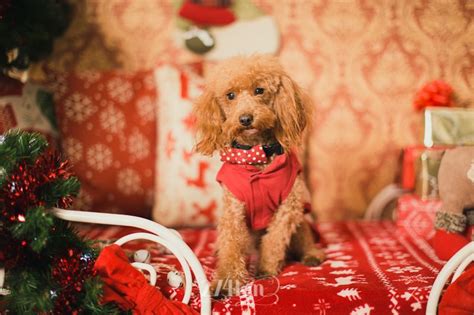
(265, 273)
(227, 286)
(269, 269)
(314, 257)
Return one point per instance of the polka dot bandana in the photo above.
(255, 155)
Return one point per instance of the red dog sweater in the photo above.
(262, 191)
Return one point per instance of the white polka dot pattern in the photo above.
(255, 155)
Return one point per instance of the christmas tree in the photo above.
(49, 268)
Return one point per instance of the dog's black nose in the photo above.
(246, 120)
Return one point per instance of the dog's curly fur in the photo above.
(281, 113)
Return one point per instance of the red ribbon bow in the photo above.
(255, 155)
(128, 288)
(435, 93)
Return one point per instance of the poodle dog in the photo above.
(255, 115)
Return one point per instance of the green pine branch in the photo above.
(35, 229)
(52, 192)
(64, 237)
(29, 291)
(16, 146)
(46, 238)
(93, 293)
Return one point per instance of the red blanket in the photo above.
(372, 268)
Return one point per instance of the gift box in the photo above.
(417, 215)
(426, 170)
(449, 126)
(410, 159)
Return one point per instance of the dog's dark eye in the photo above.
(230, 96)
(259, 91)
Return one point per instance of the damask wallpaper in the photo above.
(361, 61)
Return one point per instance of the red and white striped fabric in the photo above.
(371, 268)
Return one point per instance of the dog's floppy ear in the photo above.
(209, 119)
(293, 109)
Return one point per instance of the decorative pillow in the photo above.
(418, 215)
(25, 106)
(186, 192)
(107, 126)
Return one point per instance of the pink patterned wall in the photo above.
(361, 61)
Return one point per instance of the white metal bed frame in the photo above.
(457, 264)
(381, 200)
(157, 233)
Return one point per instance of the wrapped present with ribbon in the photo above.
(449, 126)
(426, 169)
(411, 157)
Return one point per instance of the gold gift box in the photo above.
(426, 170)
(449, 126)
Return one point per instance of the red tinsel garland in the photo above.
(11, 251)
(70, 272)
(47, 262)
(21, 191)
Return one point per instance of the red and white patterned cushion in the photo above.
(186, 191)
(417, 214)
(371, 268)
(107, 125)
